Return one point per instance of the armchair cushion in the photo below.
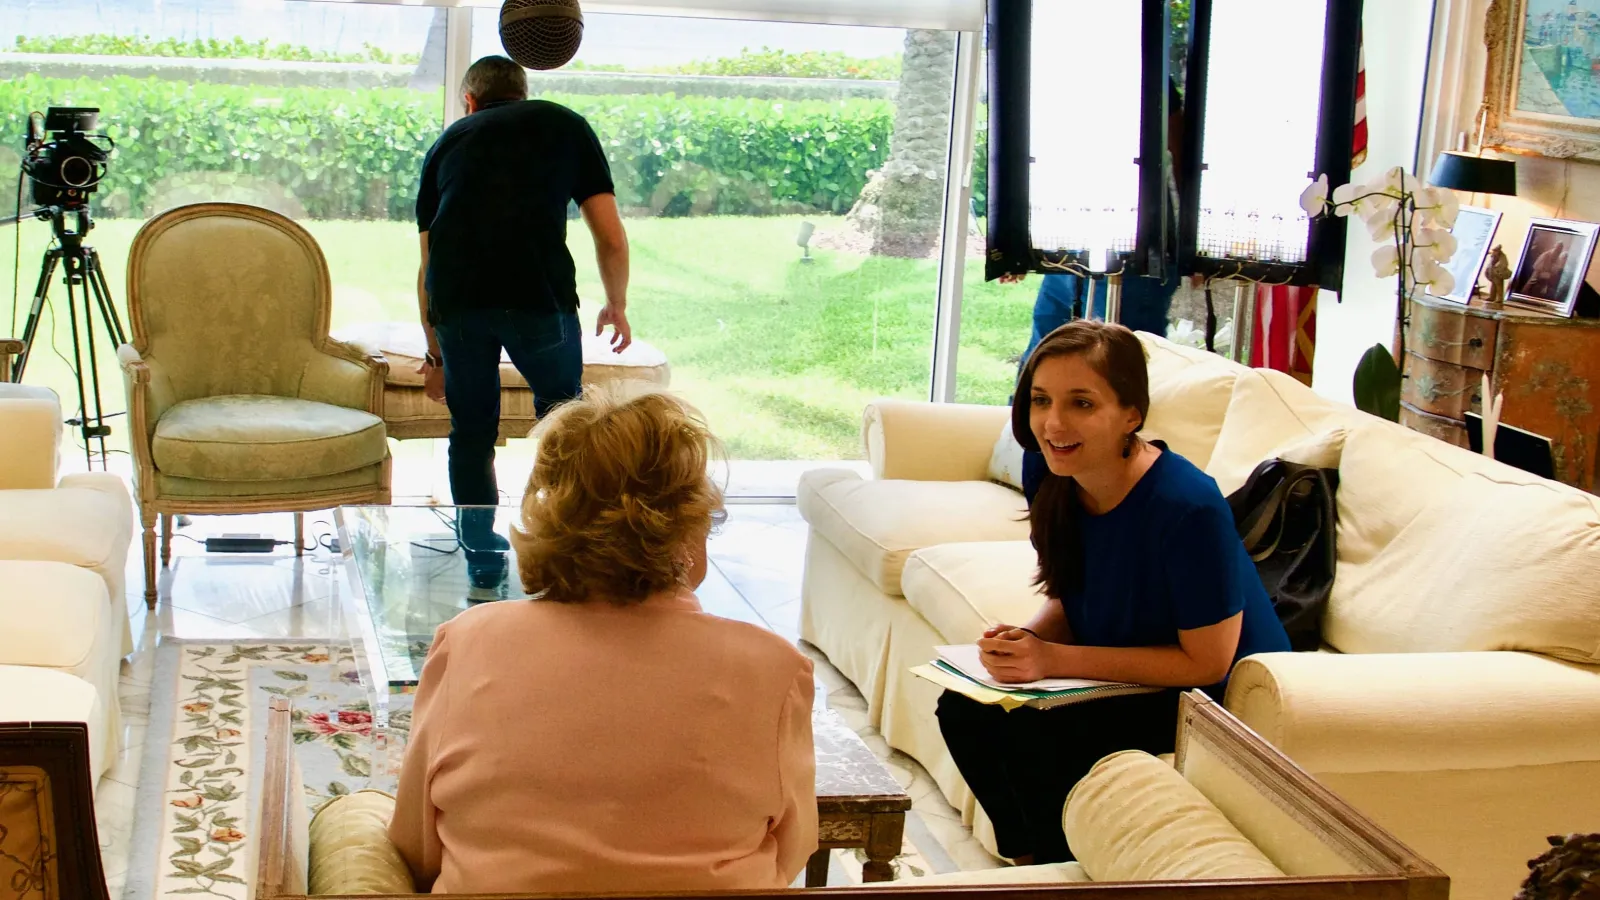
(877, 524)
(250, 437)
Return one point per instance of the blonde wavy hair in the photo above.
(619, 488)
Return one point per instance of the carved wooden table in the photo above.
(859, 802)
(1547, 366)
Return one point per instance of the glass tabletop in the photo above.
(413, 568)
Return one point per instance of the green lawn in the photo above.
(780, 355)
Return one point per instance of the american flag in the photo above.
(1358, 142)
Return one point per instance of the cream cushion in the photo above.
(1135, 818)
(54, 615)
(877, 524)
(1046, 873)
(1189, 395)
(1268, 412)
(256, 437)
(34, 694)
(1005, 463)
(87, 522)
(1493, 563)
(30, 443)
(350, 850)
(961, 589)
(59, 616)
(1322, 450)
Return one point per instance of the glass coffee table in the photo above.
(409, 572)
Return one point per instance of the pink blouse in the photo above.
(599, 748)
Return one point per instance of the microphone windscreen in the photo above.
(541, 34)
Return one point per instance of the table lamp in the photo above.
(1471, 174)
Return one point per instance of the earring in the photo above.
(1127, 445)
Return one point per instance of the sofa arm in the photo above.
(1416, 712)
(30, 438)
(342, 375)
(931, 441)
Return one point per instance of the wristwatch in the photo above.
(432, 360)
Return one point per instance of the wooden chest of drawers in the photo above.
(1547, 367)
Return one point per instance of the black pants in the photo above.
(1022, 763)
(546, 348)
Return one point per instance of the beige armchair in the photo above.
(238, 400)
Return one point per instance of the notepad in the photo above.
(959, 669)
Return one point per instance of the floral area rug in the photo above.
(200, 782)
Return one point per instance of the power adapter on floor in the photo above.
(240, 543)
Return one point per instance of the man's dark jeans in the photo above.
(547, 348)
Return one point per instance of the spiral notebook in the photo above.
(959, 669)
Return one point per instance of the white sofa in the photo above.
(63, 553)
(1458, 698)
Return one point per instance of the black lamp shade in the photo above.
(1474, 174)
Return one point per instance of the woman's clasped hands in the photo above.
(1015, 655)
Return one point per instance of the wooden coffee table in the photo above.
(859, 802)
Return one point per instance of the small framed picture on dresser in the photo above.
(1474, 233)
(1555, 259)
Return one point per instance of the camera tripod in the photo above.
(86, 287)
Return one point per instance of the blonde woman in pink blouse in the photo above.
(609, 735)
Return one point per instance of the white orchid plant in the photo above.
(1411, 223)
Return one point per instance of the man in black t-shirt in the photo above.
(496, 272)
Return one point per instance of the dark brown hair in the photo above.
(1117, 356)
(619, 488)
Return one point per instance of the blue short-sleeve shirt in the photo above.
(1168, 559)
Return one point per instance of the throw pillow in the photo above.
(1005, 463)
(1135, 818)
(350, 849)
(1323, 450)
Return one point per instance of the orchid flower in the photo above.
(1314, 199)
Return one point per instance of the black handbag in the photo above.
(1286, 516)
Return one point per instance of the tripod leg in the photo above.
(166, 539)
(148, 519)
(47, 269)
(77, 364)
(299, 534)
(108, 310)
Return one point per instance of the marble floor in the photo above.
(756, 564)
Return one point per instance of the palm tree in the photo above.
(902, 207)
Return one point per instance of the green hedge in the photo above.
(208, 48)
(356, 154)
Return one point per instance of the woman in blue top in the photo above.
(1146, 581)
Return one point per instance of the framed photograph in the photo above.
(1554, 261)
(1474, 233)
(1542, 82)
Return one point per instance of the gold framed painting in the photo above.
(1542, 81)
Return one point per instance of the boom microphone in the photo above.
(541, 34)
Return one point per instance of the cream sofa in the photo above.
(63, 551)
(1458, 698)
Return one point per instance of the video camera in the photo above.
(69, 166)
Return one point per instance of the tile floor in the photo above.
(757, 559)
